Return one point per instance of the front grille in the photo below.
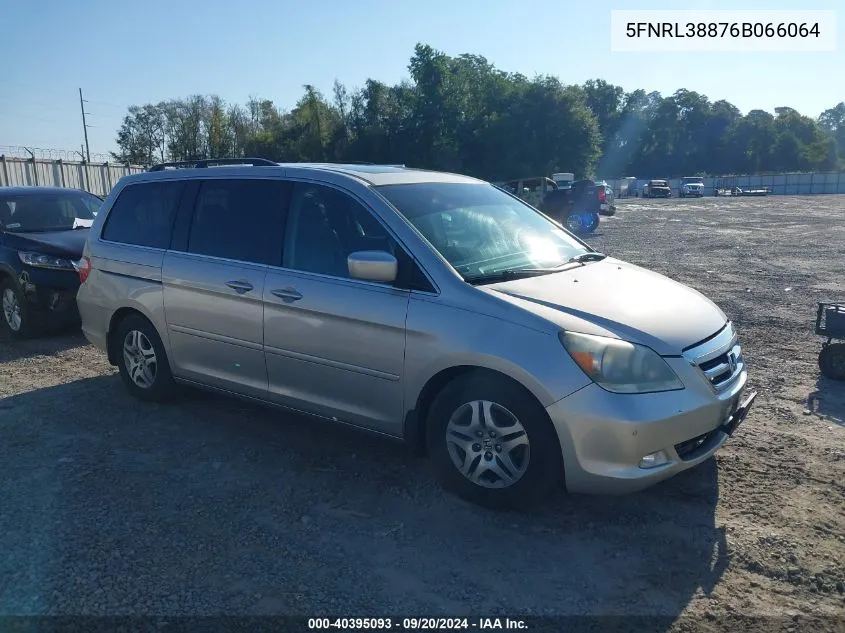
(719, 358)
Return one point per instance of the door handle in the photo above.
(288, 294)
(240, 286)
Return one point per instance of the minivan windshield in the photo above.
(481, 230)
(44, 212)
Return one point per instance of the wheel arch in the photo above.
(7, 272)
(114, 323)
(414, 430)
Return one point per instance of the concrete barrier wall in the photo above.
(98, 178)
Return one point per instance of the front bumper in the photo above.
(604, 436)
(51, 295)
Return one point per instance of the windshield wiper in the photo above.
(517, 273)
(510, 273)
(592, 256)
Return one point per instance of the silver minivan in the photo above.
(423, 306)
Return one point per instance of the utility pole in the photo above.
(84, 125)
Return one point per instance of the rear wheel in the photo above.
(832, 361)
(142, 360)
(492, 443)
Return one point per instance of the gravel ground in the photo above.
(211, 506)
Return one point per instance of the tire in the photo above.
(138, 331)
(16, 318)
(574, 223)
(496, 402)
(591, 223)
(832, 361)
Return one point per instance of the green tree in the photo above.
(463, 114)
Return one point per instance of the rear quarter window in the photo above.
(143, 214)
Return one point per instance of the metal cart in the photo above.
(830, 323)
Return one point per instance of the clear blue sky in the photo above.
(123, 53)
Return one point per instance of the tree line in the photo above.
(463, 114)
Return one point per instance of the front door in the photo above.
(214, 285)
(334, 346)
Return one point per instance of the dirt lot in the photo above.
(211, 506)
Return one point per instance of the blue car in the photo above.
(42, 233)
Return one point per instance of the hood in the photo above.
(614, 298)
(693, 185)
(60, 243)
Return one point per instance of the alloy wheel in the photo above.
(139, 356)
(12, 310)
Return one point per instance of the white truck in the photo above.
(563, 180)
(691, 187)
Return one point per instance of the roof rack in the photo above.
(213, 162)
(361, 162)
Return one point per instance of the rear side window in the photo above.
(236, 219)
(143, 214)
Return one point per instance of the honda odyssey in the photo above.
(423, 306)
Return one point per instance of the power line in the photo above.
(110, 105)
(40, 119)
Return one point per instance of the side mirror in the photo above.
(372, 266)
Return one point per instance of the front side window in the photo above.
(143, 214)
(234, 219)
(325, 226)
(46, 212)
(480, 230)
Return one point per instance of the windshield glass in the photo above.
(48, 211)
(480, 230)
(692, 181)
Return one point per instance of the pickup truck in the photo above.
(577, 207)
(657, 189)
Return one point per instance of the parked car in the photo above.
(563, 179)
(42, 232)
(609, 207)
(427, 307)
(628, 187)
(657, 189)
(577, 207)
(691, 187)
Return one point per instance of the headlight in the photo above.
(40, 260)
(620, 366)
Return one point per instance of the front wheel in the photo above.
(492, 443)
(15, 316)
(832, 361)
